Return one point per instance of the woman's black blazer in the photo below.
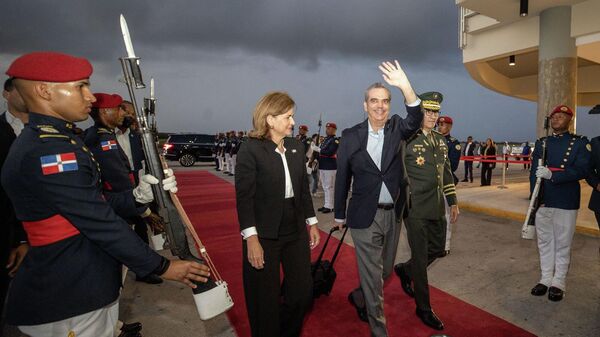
(260, 185)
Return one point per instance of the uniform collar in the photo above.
(99, 125)
(36, 119)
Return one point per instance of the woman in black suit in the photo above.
(274, 206)
(488, 152)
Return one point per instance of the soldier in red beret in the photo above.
(444, 126)
(70, 279)
(567, 160)
(328, 165)
(118, 182)
(303, 138)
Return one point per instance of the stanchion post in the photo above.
(503, 185)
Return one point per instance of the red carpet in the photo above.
(210, 204)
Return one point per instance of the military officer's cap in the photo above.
(445, 119)
(431, 100)
(331, 125)
(107, 101)
(303, 127)
(562, 108)
(50, 67)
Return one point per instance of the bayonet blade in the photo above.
(127, 38)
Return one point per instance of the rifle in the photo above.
(169, 207)
(315, 155)
(528, 229)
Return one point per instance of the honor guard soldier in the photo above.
(69, 282)
(328, 165)
(227, 151)
(444, 126)
(233, 147)
(303, 138)
(430, 181)
(116, 174)
(221, 152)
(567, 160)
(215, 151)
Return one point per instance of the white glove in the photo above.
(169, 183)
(315, 148)
(543, 172)
(143, 192)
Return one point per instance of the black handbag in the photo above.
(322, 271)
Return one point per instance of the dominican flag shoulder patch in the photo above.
(108, 145)
(56, 163)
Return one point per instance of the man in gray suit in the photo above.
(370, 155)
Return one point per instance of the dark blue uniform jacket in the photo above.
(328, 154)
(77, 241)
(568, 156)
(116, 175)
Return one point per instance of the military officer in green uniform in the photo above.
(431, 181)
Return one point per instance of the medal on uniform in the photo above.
(420, 160)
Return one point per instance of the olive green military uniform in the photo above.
(430, 178)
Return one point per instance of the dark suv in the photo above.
(188, 148)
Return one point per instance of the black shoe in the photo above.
(539, 290)
(321, 209)
(326, 210)
(464, 180)
(129, 334)
(404, 279)
(131, 327)
(361, 311)
(429, 318)
(231, 174)
(555, 294)
(150, 279)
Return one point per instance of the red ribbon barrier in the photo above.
(487, 159)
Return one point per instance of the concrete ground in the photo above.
(489, 267)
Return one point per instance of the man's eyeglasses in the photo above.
(430, 112)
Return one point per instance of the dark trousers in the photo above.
(597, 218)
(469, 170)
(486, 174)
(276, 309)
(427, 239)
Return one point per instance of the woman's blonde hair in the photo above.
(271, 104)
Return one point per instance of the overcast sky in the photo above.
(213, 60)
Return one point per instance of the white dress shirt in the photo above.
(289, 193)
(123, 140)
(14, 122)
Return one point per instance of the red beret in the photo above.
(303, 127)
(331, 125)
(562, 108)
(445, 119)
(50, 67)
(107, 101)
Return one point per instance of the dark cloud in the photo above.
(214, 59)
(297, 31)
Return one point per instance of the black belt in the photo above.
(386, 207)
